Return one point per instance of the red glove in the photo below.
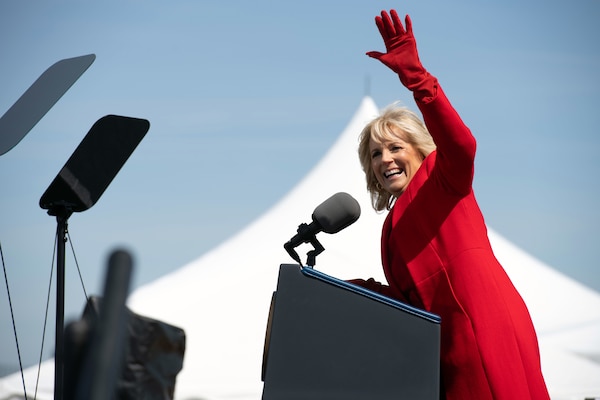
(402, 56)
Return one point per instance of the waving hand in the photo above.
(401, 54)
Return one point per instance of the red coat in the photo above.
(436, 255)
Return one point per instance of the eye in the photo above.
(375, 153)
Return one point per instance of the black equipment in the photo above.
(113, 353)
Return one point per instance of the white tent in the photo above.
(221, 300)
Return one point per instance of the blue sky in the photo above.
(244, 97)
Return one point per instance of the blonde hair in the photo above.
(379, 129)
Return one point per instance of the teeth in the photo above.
(389, 173)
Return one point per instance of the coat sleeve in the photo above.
(455, 144)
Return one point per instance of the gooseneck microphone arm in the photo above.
(331, 216)
(305, 232)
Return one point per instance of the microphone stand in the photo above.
(311, 255)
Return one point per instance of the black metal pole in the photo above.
(61, 232)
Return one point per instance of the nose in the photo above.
(386, 156)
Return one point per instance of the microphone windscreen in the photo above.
(337, 212)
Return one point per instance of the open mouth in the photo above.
(393, 172)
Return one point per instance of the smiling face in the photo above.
(394, 162)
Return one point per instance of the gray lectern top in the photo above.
(313, 273)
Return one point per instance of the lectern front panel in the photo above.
(328, 339)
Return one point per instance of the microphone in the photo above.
(334, 214)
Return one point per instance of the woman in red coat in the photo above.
(435, 251)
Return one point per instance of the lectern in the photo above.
(330, 339)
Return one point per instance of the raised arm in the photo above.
(455, 143)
